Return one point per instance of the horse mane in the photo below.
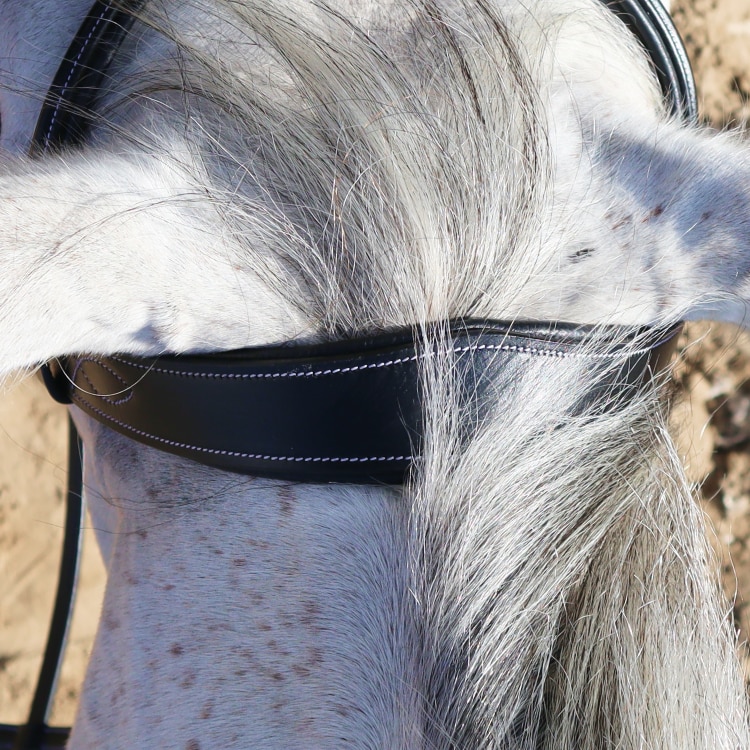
(560, 581)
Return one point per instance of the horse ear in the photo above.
(672, 209)
(104, 253)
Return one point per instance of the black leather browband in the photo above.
(344, 412)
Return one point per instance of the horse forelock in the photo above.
(352, 165)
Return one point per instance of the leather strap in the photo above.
(652, 25)
(344, 412)
(66, 114)
(35, 734)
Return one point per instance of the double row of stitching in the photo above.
(289, 417)
(296, 373)
(238, 454)
(108, 397)
(71, 73)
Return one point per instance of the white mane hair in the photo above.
(284, 170)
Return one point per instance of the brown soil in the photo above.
(713, 422)
(716, 377)
(32, 482)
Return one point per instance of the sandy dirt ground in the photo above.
(33, 447)
(713, 421)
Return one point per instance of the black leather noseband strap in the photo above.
(344, 412)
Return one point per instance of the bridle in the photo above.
(347, 438)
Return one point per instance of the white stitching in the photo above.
(239, 454)
(76, 62)
(270, 375)
(371, 365)
(104, 396)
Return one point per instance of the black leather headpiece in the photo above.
(652, 25)
(345, 412)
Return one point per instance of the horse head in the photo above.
(297, 174)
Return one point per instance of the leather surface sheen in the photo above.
(70, 102)
(345, 412)
(652, 25)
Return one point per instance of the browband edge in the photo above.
(346, 411)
